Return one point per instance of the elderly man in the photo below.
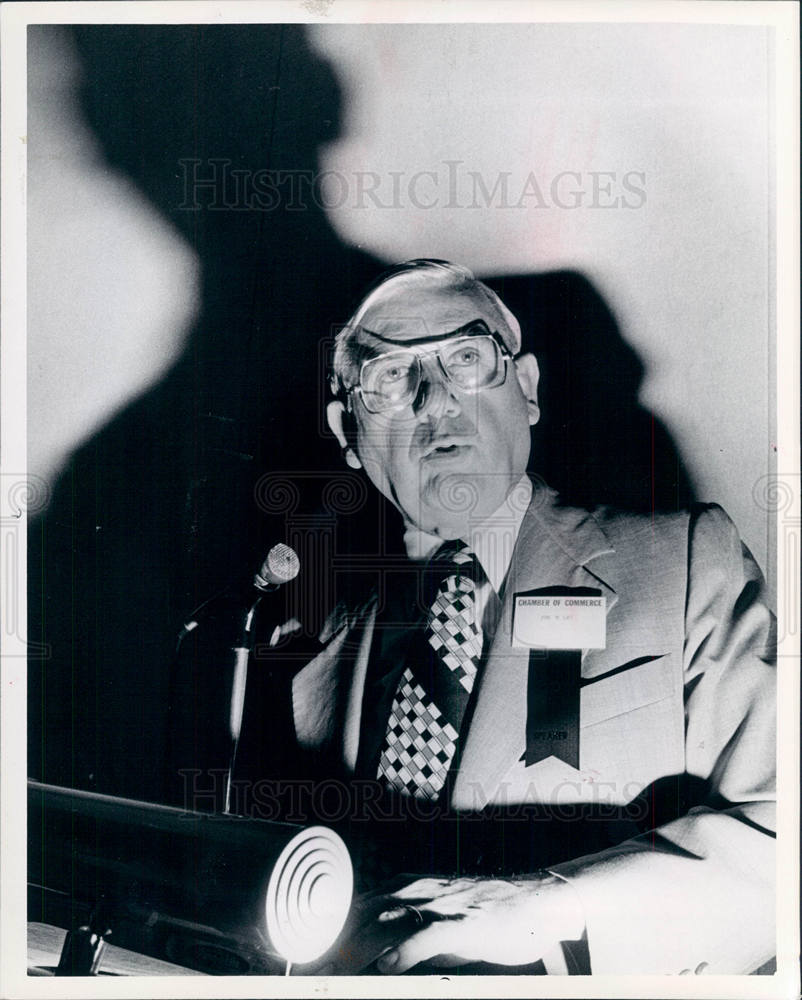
(553, 656)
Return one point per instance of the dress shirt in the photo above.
(492, 541)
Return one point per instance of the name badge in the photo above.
(560, 618)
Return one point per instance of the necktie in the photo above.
(432, 695)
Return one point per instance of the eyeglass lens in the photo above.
(392, 380)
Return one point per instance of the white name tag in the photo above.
(559, 621)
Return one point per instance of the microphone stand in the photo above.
(238, 683)
(280, 567)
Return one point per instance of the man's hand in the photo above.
(502, 921)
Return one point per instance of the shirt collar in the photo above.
(492, 540)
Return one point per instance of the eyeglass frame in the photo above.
(506, 356)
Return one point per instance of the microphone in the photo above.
(227, 621)
(280, 566)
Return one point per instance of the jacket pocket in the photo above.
(633, 685)
(632, 725)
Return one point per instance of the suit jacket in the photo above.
(684, 687)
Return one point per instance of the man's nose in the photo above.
(435, 393)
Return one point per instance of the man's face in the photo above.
(448, 458)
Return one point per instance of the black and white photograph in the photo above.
(399, 482)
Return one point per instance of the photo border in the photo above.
(18, 491)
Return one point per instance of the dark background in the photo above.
(169, 502)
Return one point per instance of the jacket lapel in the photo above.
(556, 546)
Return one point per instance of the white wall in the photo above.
(112, 288)
(685, 273)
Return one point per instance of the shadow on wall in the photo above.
(157, 511)
(594, 442)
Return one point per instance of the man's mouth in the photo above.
(450, 449)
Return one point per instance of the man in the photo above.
(488, 702)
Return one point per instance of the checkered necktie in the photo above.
(431, 698)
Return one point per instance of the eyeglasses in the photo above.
(471, 362)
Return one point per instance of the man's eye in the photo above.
(394, 374)
(467, 356)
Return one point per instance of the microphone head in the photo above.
(280, 566)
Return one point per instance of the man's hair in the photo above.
(349, 352)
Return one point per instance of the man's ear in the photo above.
(528, 376)
(335, 413)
